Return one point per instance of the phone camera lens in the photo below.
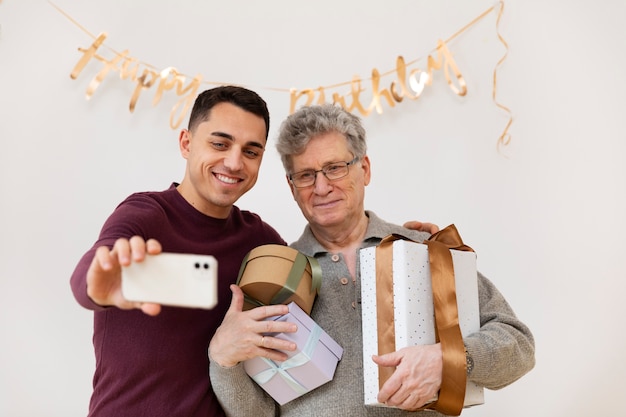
(197, 265)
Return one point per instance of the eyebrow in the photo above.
(232, 138)
(325, 164)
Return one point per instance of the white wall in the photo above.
(545, 215)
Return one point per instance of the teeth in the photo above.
(226, 179)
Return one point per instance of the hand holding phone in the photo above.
(174, 279)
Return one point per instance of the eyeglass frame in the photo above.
(323, 171)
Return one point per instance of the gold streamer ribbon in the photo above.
(454, 377)
(505, 137)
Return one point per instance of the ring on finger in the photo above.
(262, 341)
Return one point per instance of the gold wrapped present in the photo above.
(277, 274)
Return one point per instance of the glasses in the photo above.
(332, 172)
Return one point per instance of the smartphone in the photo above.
(174, 279)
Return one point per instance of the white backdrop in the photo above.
(545, 215)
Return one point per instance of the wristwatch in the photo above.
(469, 362)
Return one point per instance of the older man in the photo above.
(324, 153)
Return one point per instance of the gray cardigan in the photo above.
(502, 351)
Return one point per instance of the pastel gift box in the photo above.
(277, 274)
(413, 307)
(311, 365)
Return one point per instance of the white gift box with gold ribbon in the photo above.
(412, 306)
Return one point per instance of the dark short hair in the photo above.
(241, 97)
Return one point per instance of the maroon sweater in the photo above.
(158, 366)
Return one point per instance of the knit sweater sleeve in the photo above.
(238, 394)
(504, 348)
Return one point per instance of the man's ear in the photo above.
(291, 187)
(184, 141)
(366, 165)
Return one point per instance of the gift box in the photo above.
(277, 274)
(412, 309)
(312, 364)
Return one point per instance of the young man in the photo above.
(324, 153)
(154, 362)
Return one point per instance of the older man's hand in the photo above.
(422, 226)
(417, 378)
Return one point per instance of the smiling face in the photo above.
(223, 156)
(331, 204)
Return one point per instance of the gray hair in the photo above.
(310, 121)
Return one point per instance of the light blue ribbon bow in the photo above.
(297, 360)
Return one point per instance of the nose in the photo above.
(322, 184)
(234, 159)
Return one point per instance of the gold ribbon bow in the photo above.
(454, 378)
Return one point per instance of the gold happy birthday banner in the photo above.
(408, 83)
